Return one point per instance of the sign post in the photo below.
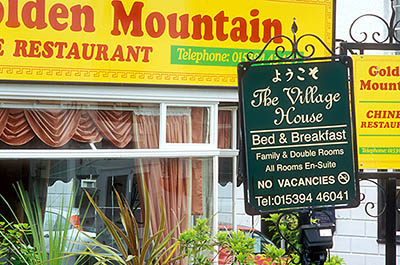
(298, 144)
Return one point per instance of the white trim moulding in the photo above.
(107, 153)
(92, 93)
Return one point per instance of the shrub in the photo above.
(28, 241)
(288, 226)
(131, 249)
(199, 246)
(335, 260)
(14, 245)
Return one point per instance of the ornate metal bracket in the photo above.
(397, 199)
(389, 26)
(290, 222)
(371, 205)
(295, 53)
(388, 39)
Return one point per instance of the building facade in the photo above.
(62, 129)
(124, 95)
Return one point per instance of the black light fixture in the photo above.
(315, 240)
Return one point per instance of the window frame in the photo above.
(231, 153)
(213, 122)
(55, 96)
(165, 150)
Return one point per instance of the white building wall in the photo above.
(225, 208)
(356, 234)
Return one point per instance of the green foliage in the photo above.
(287, 226)
(275, 256)
(28, 241)
(240, 246)
(59, 247)
(200, 246)
(335, 260)
(130, 251)
(274, 253)
(197, 243)
(14, 246)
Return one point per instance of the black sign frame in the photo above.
(243, 164)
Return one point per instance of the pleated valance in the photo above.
(57, 127)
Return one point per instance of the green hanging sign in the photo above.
(298, 148)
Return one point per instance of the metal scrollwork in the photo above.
(365, 34)
(371, 205)
(289, 221)
(279, 50)
(394, 35)
(312, 47)
(397, 199)
(389, 28)
(282, 54)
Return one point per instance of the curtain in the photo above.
(56, 128)
(198, 136)
(87, 131)
(167, 179)
(115, 125)
(14, 128)
(177, 129)
(199, 125)
(224, 129)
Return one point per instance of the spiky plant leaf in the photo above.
(153, 246)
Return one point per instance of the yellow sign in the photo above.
(179, 42)
(377, 101)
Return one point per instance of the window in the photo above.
(194, 124)
(168, 180)
(170, 147)
(54, 221)
(126, 126)
(230, 189)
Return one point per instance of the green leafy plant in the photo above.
(239, 245)
(58, 250)
(14, 246)
(199, 246)
(335, 260)
(197, 243)
(131, 249)
(288, 227)
(275, 256)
